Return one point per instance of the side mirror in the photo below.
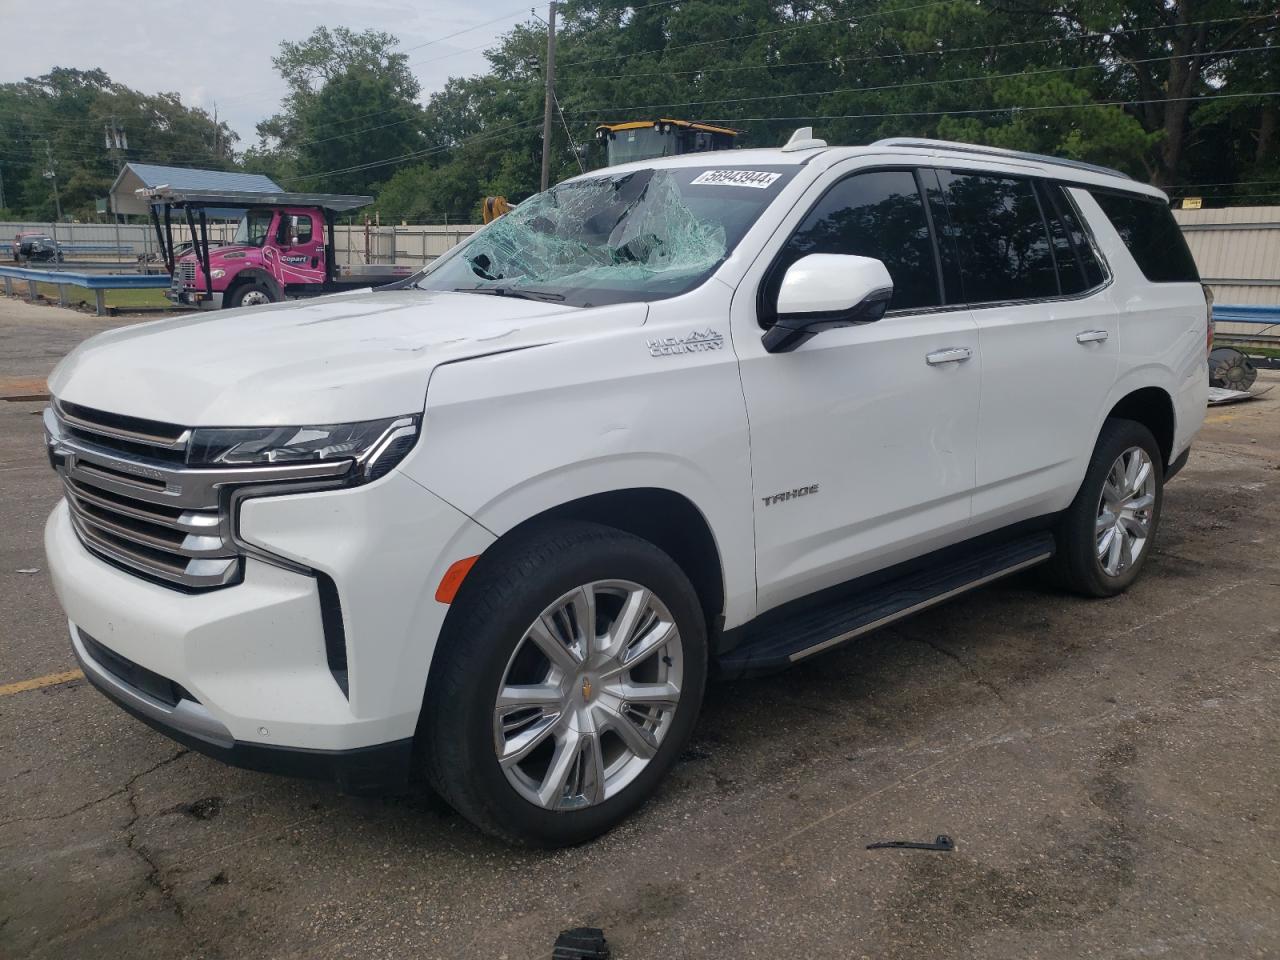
(827, 290)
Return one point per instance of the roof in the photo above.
(692, 125)
(148, 176)
(940, 151)
(240, 199)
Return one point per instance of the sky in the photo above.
(219, 51)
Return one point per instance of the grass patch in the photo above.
(120, 299)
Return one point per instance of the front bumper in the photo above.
(361, 770)
(253, 656)
(185, 297)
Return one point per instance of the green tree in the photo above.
(352, 104)
(58, 123)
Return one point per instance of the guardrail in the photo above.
(99, 283)
(1246, 313)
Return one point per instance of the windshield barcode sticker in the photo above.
(757, 179)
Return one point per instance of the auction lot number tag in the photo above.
(756, 179)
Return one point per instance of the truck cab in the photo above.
(275, 250)
(283, 248)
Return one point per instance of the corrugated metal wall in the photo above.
(1237, 250)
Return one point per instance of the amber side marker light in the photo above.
(453, 578)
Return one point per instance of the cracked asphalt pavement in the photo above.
(1108, 769)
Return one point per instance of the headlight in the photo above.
(375, 445)
(217, 274)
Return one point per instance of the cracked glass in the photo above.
(637, 235)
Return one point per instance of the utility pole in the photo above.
(117, 141)
(51, 174)
(551, 95)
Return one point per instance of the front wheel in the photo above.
(1104, 538)
(251, 295)
(568, 679)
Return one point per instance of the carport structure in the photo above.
(125, 198)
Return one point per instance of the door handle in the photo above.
(1092, 336)
(949, 355)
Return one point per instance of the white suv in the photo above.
(708, 415)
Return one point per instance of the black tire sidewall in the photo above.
(494, 633)
(237, 298)
(1077, 540)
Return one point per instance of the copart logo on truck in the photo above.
(696, 342)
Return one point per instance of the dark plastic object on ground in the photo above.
(581, 943)
(1230, 369)
(943, 843)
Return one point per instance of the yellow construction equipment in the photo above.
(493, 207)
(646, 139)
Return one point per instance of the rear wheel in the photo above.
(568, 680)
(1106, 535)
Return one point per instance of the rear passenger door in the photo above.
(1048, 334)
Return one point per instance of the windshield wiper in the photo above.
(509, 292)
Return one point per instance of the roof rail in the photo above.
(998, 152)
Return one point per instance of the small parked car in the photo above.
(692, 417)
(36, 248)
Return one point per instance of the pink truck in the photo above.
(283, 248)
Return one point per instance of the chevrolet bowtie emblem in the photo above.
(586, 689)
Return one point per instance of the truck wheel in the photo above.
(566, 682)
(251, 295)
(1105, 537)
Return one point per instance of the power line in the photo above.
(844, 61)
(768, 33)
(414, 155)
(1014, 109)
(458, 33)
(899, 86)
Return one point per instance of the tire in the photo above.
(488, 643)
(251, 291)
(1079, 564)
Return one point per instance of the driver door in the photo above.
(300, 237)
(864, 438)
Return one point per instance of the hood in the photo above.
(348, 357)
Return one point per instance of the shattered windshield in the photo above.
(634, 236)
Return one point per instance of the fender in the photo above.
(510, 436)
(256, 275)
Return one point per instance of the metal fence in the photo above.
(123, 244)
(1237, 250)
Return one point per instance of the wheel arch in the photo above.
(1153, 408)
(254, 275)
(668, 520)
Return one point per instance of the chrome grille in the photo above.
(187, 271)
(135, 502)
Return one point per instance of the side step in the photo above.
(783, 637)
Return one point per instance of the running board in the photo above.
(780, 639)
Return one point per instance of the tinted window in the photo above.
(946, 234)
(1094, 275)
(1004, 244)
(1071, 278)
(1148, 229)
(877, 215)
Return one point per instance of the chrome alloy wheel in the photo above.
(1125, 511)
(254, 298)
(589, 693)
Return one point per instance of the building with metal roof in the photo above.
(149, 176)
